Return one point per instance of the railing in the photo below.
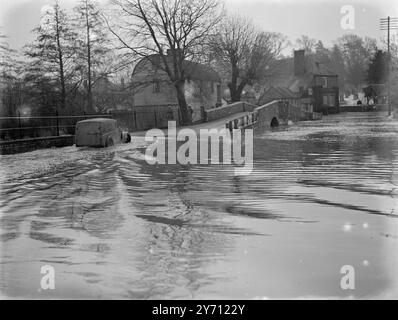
(272, 114)
(242, 122)
(12, 128)
(221, 112)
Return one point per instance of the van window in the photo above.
(90, 127)
(108, 126)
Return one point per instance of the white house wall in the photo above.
(196, 99)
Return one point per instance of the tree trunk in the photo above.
(182, 103)
(89, 92)
(61, 62)
(235, 89)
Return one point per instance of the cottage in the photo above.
(311, 81)
(279, 93)
(154, 90)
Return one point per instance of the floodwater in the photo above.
(322, 195)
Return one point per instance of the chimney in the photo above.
(299, 62)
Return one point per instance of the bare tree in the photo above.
(356, 52)
(306, 43)
(93, 43)
(245, 52)
(147, 27)
(10, 78)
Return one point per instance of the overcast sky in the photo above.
(318, 19)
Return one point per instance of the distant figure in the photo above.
(170, 114)
(274, 122)
(190, 112)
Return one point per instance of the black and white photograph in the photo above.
(198, 150)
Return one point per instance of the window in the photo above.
(324, 82)
(331, 100)
(156, 86)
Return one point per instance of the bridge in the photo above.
(269, 115)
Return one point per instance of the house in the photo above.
(154, 90)
(310, 80)
(279, 93)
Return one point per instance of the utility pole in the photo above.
(388, 24)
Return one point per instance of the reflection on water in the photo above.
(322, 195)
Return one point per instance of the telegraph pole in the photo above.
(388, 24)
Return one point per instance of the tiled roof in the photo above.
(277, 93)
(193, 70)
(199, 71)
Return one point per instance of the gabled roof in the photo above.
(283, 92)
(193, 70)
(277, 93)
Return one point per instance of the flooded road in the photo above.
(321, 195)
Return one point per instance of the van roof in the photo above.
(101, 120)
